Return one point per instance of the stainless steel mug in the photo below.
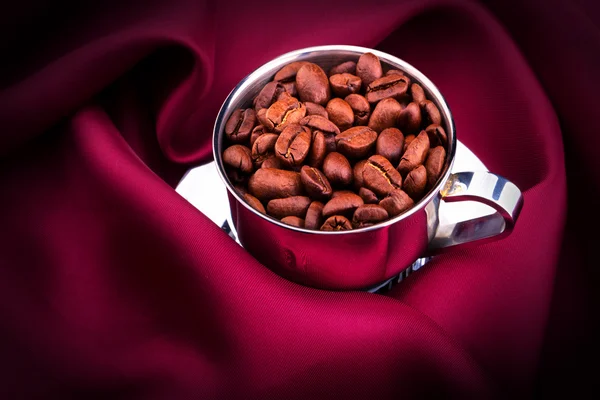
(361, 258)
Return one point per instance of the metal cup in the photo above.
(361, 258)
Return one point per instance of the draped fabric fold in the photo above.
(113, 286)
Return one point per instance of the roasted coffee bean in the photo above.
(385, 115)
(271, 183)
(337, 223)
(431, 114)
(368, 68)
(240, 125)
(356, 142)
(437, 135)
(272, 162)
(327, 128)
(390, 144)
(417, 93)
(360, 107)
(318, 150)
(314, 215)
(397, 202)
(312, 84)
(343, 85)
(357, 172)
(268, 95)
(380, 176)
(344, 204)
(236, 177)
(293, 145)
(254, 203)
(315, 183)
(290, 206)
(394, 86)
(341, 193)
(315, 109)
(368, 196)
(435, 164)
(415, 183)
(293, 221)
(261, 116)
(409, 119)
(394, 72)
(407, 140)
(263, 148)
(368, 214)
(288, 72)
(241, 189)
(415, 154)
(256, 132)
(285, 95)
(337, 169)
(282, 113)
(348, 67)
(340, 113)
(238, 157)
(290, 88)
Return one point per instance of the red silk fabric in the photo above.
(113, 286)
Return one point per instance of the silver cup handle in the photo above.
(484, 187)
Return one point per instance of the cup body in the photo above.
(342, 260)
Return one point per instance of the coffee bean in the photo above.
(318, 150)
(272, 162)
(271, 183)
(340, 113)
(315, 183)
(337, 169)
(240, 125)
(360, 107)
(293, 144)
(397, 202)
(356, 142)
(380, 176)
(385, 115)
(394, 86)
(415, 154)
(256, 132)
(263, 148)
(337, 223)
(345, 84)
(315, 109)
(341, 193)
(431, 114)
(368, 68)
(261, 116)
(368, 214)
(312, 84)
(348, 67)
(409, 119)
(268, 95)
(327, 128)
(314, 215)
(254, 203)
(394, 72)
(293, 221)
(415, 183)
(357, 172)
(282, 113)
(238, 157)
(435, 164)
(240, 189)
(368, 196)
(288, 72)
(417, 93)
(344, 204)
(408, 140)
(437, 135)
(290, 88)
(390, 144)
(290, 206)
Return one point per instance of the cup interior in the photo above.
(327, 57)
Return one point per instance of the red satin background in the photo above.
(113, 286)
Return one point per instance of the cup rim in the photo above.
(291, 56)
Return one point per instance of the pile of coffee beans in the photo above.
(336, 151)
